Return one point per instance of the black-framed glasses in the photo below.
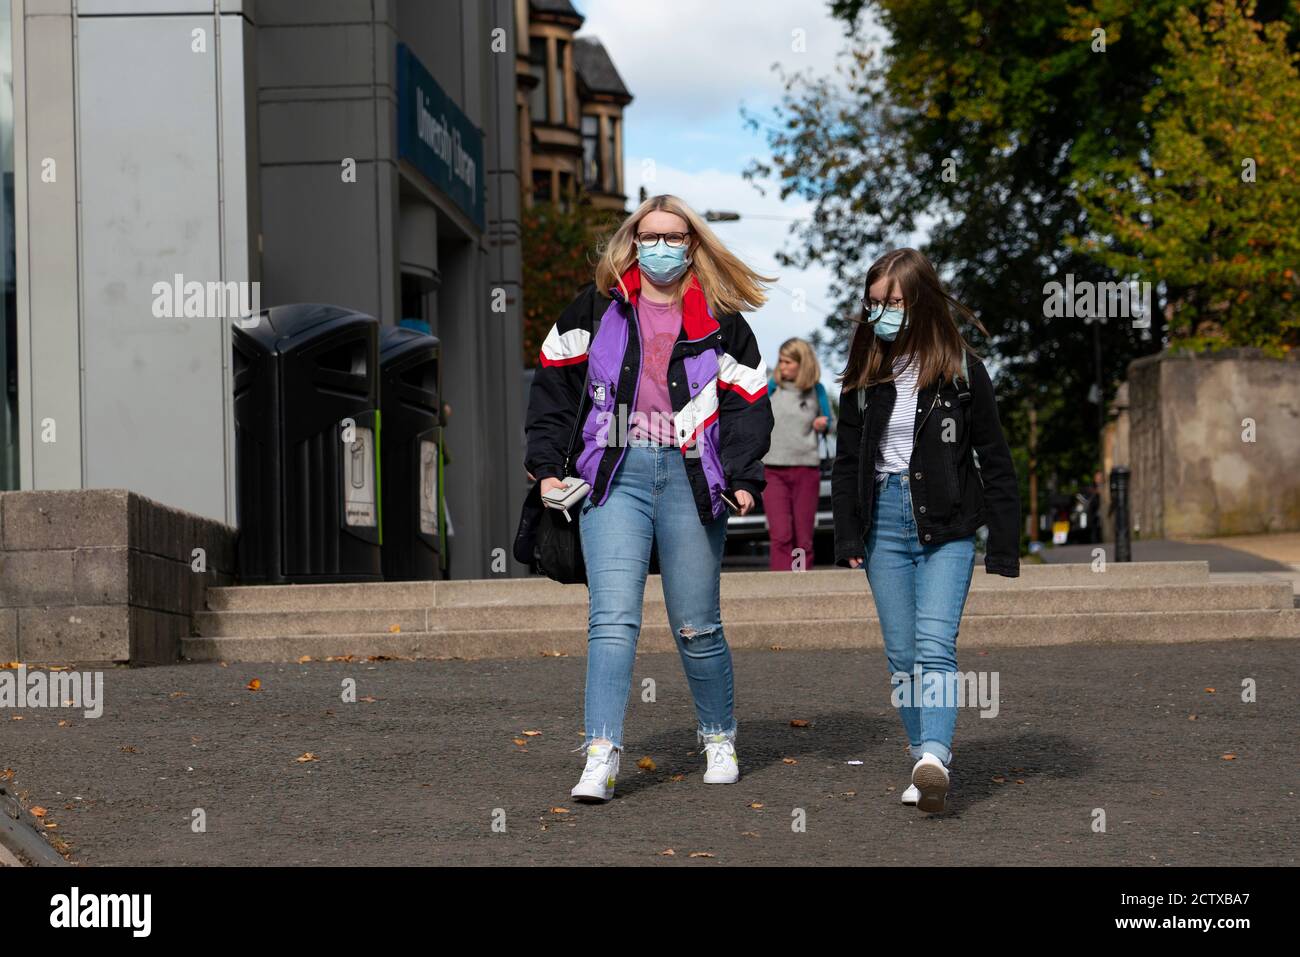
(674, 240)
(871, 305)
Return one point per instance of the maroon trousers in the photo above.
(790, 504)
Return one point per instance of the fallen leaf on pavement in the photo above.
(304, 758)
(304, 659)
(789, 761)
(520, 741)
(559, 810)
(531, 734)
(799, 723)
(645, 764)
(254, 685)
(678, 777)
(394, 629)
(756, 805)
(700, 854)
(38, 811)
(1230, 757)
(668, 853)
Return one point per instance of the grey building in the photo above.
(358, 152)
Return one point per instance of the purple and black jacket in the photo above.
(717, 381)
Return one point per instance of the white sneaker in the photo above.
(911, 795)
(598, 777)
(930, 778)
(721, 765)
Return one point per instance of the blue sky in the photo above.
(691, 66)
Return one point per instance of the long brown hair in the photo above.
(729, 285)
(929, 329)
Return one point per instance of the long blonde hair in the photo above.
(810, 370)
(729, 285)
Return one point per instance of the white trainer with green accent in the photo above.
(598, 777)
(721, 765)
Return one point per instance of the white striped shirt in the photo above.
(896, 443)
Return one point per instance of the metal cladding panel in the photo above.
(154, 388)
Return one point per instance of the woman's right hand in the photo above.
(855, 562)
(550, 483)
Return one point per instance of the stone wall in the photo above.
(1195, 472)
(102, 575)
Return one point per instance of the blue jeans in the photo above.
(649, 501)
(919, 591)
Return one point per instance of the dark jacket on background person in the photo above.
(951, 495)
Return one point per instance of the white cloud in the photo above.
(689, 58)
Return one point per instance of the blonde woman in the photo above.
(675, 421)
(792, 466)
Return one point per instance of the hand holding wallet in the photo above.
(563, 497)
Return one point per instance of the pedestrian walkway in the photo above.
(471, 762)
(1231, 558)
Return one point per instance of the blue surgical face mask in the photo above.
(662, 263)
(888, 322)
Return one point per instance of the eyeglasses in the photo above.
(674, 240)
(871, 305)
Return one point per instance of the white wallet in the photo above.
(573, 491)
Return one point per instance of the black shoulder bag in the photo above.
(549, 539)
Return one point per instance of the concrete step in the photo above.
(1107, 595)
(977, 631)
(542, 591)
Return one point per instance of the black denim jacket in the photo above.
(951, 497)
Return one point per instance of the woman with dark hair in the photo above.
(916, 408)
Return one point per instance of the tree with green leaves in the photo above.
(975, 121)
(559, 258)
(1211, 210)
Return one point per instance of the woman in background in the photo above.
(792, 466)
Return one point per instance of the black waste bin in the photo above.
(306, 441)
(411, 463)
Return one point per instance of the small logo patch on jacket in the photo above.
(600, 393)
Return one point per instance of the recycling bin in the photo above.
(307, 445)
(411, 460)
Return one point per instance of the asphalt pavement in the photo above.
(470, 762)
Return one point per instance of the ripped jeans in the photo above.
(650, 501)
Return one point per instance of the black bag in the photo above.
(547, 540)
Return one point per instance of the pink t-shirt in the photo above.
(652, 417)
